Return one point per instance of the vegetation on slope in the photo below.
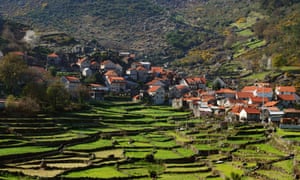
(193, 33)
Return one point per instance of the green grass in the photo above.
(285, 165)
(194, 164)
(185, 152)
(178, 137)
(290, 68)
(24, 150)
(188, 176)
(282, 132)
(227, 168)
(254, 155)
(132, 172)
(275, 174)
(101, 143)
(204, 147)
(256, 44)
(137, 154)
(293, 138)
(186, 169)
(258, 76)
(165, 144)
(166, 154)
(238, 142)
(268, 149)
(245, 32)
(103, 172)
(8, 176)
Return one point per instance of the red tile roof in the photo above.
(181, 87)
(226, 91)
(292, 110)
(249, 89)
(195, 80)
(287, 97)
(141, 68)
(251, 110)
(153, 88)
(271, 103)
(18, 53)
(72, 79)
(156, 69)
(94, 63)
(286, 89)
(192, 99)
(111, 73)
(53, 55)
(96, 85)
(207, 98)
(264, 90)
(259, 99)
(154, 81)
(237, 101)
(107, 62)
(242, 95)
(117, 80)
(236, 109)
(273, 109)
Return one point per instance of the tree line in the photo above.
(30, 90)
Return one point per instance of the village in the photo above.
(157, 85)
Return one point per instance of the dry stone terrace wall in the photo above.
(109, 140)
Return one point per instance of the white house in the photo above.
(249, 114)
(71, 83)
(97, 91)
(194, 83)
(272, 114)
(263, 92)
(116, 84)
(157, 94)
(290, 90)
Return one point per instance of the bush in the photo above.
(25, 106)
(149, 158)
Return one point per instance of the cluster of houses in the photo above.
(140, 80)
(259, 102)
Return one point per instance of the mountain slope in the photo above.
(114, 23)
(192, 31)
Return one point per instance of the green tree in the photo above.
(52, 71)
(36, 91)
(279, 60)
(58, 97)
(82, 94)
(11, 104)
(217, 85)
(12, 73)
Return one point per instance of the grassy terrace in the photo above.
(127, 140)
(23, 150)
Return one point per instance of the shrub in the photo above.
(150, 157)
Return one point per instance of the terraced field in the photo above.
(132, 141)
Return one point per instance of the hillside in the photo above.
(194, 32)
